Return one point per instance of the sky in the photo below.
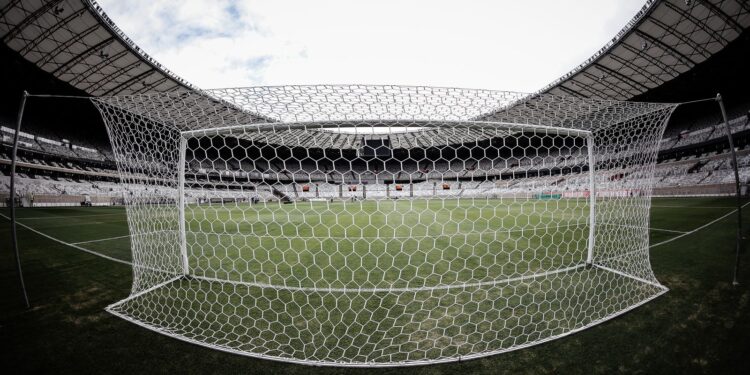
(514, 45)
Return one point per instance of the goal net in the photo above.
(382, 225)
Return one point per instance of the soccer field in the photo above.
(387, 243)
(372, 282)
(699, 322)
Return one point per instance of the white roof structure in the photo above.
(665, 39)
(78, 43)
(75, 41)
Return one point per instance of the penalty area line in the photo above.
(699, 228)
(669, 230)
(647, 228)
(101, 239)
(706, 207)
(71, 245)
(67, 217)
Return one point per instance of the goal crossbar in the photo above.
(485, 222)
(275, 126)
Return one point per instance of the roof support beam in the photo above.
(637, 68)
(609, 85)
(677, 54)
(113, 77)
(96, 67)
(57, 26)
(629, 81)
(682, 37)
(47, 57)
(700, 23)
(29, 20)
(117, 89)
(588, 88)
(147, 88)
(724, 16)
(8, 7)
(81, 56)
(652, 60)
(571, 92)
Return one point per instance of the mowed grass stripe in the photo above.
(400, 244)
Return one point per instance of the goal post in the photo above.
(181, 203)
(592, 198)
(244, 129)
(479, 222)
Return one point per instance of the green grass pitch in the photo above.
(385, 244)
(699, 326)
(384, 281)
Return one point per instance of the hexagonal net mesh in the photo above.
(383, 225)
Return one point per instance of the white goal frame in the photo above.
(186, 135)
(593, 198)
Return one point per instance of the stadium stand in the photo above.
(59, 172)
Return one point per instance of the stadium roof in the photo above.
(76, 42)
(665, 39)
(309, 116)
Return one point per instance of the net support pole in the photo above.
(592, 199)
(738, 244)
(13, 234)
(181, 204)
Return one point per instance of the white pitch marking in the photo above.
(697, 229)
(708, 207)
(668, 230)
(409, 237)
(650, 228)
(129, 263)
(70, 244)
(65, 217)
(101, 239)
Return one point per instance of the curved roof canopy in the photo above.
(665, 39)
(76, 42)
(309, 116)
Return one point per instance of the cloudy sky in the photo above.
(502, 44)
